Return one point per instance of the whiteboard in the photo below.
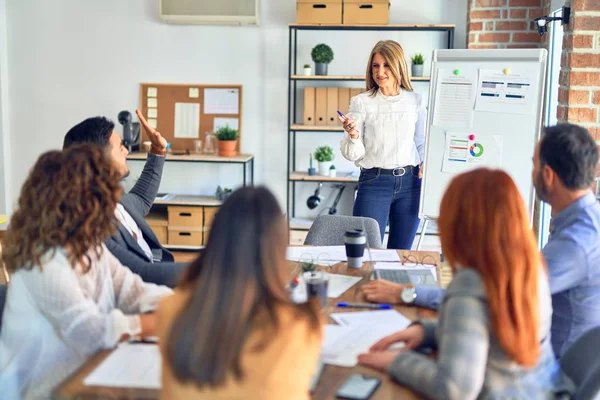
(485, 110)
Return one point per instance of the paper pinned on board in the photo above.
(221, 101)
(233, 123)
(152, 102)
(152, 92)
(454, 100)
(187, 120)
(461, 153)
(129, 366)
(500, 92)
(152, 112)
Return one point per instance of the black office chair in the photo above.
(581, 363)
(3, 290)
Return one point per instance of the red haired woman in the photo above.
(493, 332)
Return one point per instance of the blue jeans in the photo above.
(391, 198)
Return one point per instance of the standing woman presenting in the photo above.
(386, 136)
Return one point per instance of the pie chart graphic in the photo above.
(476, 149)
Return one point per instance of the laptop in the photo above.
(422, 277)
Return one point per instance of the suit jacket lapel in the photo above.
(130, 241)
(149, 236)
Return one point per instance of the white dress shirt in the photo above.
(391, 130)
(129, 224)
(56, 317)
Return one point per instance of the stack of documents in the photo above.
(357, 332)
(326, 255)
(129, 366)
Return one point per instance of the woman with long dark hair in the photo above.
(230, 330)
(68, 297)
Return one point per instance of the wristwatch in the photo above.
(408, 294)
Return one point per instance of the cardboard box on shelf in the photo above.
(319, 11)
(366, 12)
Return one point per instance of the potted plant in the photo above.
(332, 171)
(417, 64)
(227, 141)
(311, 170)
(307, 70)
(324, 155)
(322, 55)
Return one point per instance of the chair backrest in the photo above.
(581, 363)
(3, 290)
(328, 230)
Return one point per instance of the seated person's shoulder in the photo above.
(466, 282)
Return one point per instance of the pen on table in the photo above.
(364, 305)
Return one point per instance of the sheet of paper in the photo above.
(187, 120)
(152, 92)
(130, 366)
(371, 318)
(338, 284)
(454, 99)
(322, 254)
(193, 93)
(152, 122)
(152, 102)
(221, 101)
(152, 112)
(231, 122)
(342, 344)
(461, 153)
(318, 254)
(419, 270)
(504, 93)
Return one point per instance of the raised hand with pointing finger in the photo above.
(159, 143)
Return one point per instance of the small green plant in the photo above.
(308, 266)
(322, 54)
(226, 133)
(310, 160)
(418, 59)
(306, 66)
(324, 154)
(332, 168)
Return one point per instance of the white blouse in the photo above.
(391, 130)
(55, 317)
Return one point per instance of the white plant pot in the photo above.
(307, 71)
(332, 173)
(324, 167)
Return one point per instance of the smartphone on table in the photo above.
(358, 387)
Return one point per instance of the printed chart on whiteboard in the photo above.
(500, 92)
(221, 101)
(454, 103)
(465, 151)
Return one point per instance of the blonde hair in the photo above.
(393, 54)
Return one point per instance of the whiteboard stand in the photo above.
(422, 234)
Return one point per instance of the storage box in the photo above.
(369, 12)
(158, 224)
(185, 216)
(185, 237)
(319, 11)
(209, 215)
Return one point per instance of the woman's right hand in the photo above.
(349, 126)
(412, 337)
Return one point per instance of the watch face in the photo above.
(408, 295)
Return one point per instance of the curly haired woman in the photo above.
(68, 296)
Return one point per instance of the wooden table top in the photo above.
(331, 378)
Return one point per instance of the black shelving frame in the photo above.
(292, 87)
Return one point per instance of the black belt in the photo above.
(400, 171)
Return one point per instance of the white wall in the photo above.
(70, 59)
(5, 195)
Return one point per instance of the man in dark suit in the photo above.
(134, 244)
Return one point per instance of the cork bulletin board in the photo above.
(183, 113)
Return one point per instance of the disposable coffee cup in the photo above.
(316, 286)
(355, 242)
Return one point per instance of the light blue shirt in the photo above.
(573, 258)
